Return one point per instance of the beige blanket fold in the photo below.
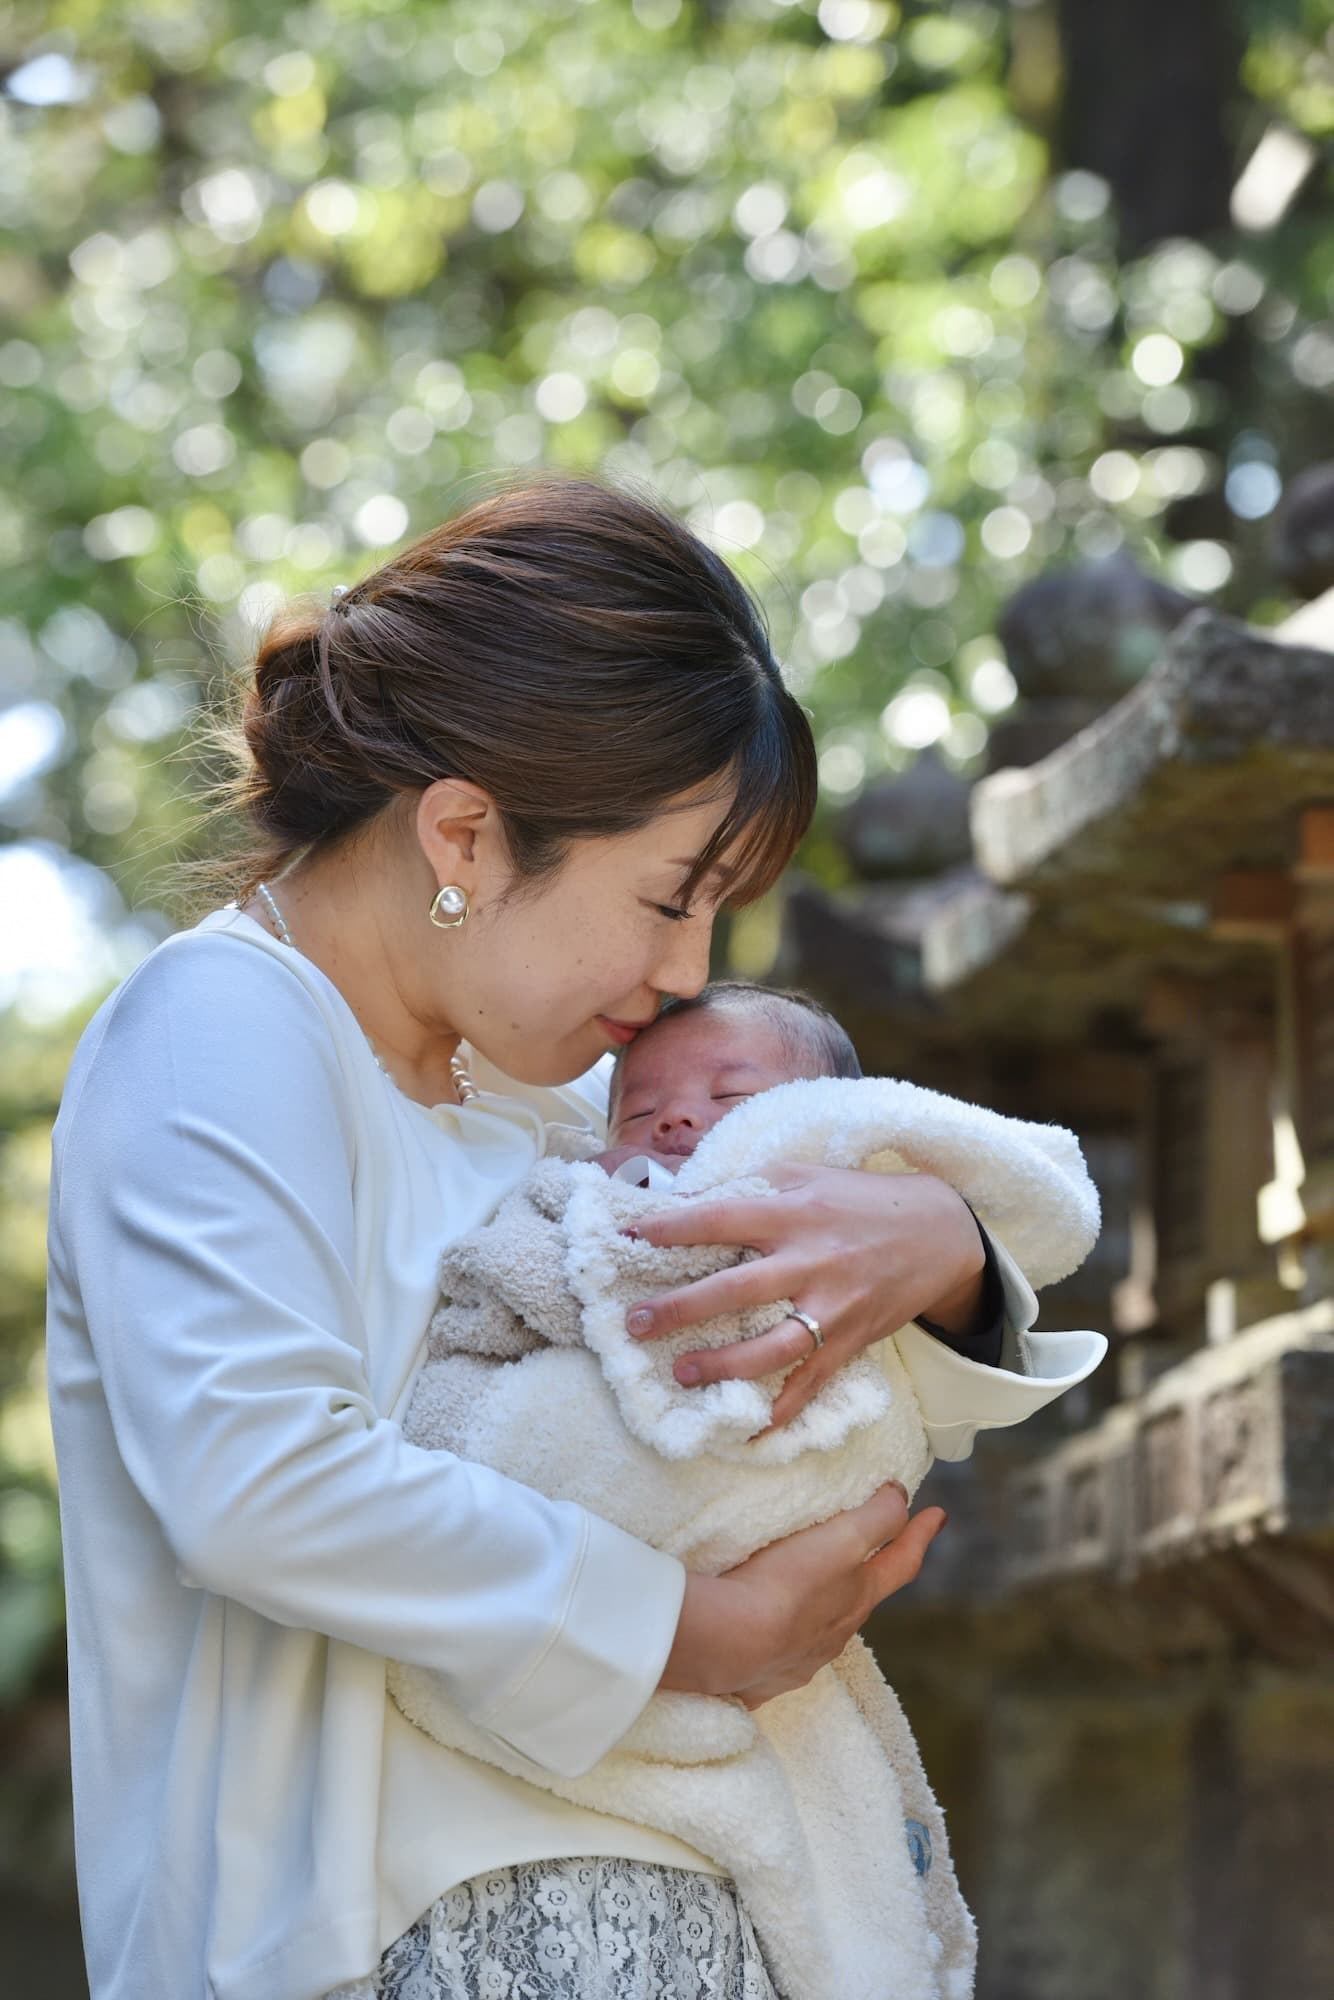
(816, 1804)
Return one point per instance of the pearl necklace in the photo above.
(458, 1070)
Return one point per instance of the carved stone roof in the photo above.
(1192, 770)
(1095, 867)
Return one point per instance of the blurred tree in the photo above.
(34, 1808)
(1149, 86)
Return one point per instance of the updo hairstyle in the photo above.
(571, 648)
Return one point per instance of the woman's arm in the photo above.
(204, 1219)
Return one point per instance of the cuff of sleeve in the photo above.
(957, 1399)
(601, 1667)
(1021, 1309)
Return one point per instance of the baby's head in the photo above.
(702, 1056)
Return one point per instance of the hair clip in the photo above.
(339, 590)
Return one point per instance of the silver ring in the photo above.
(811, 1325)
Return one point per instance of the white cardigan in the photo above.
(245, 1226)
(246, 1223)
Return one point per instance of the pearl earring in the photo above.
(449, 907)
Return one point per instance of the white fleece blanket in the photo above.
(816, 1803)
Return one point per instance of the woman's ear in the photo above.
(455, 819)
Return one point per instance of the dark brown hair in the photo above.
(571, 648)
(811, 1036)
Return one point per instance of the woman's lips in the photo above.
(621, 1031)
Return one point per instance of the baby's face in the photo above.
(679, 1078)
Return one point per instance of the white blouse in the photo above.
(246, 1222)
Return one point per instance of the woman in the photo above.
(499, 791)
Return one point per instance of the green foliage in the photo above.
(31, 1599)
(32, 1067)
(286, 287)
(1289, 60)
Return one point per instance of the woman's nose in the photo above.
(684, 971)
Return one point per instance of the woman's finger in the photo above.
(759, 1281)
(797, 1391)
(893, 1567)
(746, 1223)
(745, 1360)
(805, 1382)
(878, 1520)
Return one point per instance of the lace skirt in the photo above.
(598, 1929)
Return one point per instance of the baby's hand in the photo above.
(616, 1156)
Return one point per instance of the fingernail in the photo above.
(640, 1321)
(899, 1487)
(631, 1232)
(687, 1373)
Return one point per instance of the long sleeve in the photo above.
(959, 1395)
(205, 1217)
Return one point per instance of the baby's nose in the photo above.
(675, 1117)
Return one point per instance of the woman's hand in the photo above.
(769, 1625)
(862, 1253)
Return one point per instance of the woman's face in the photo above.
(545, 979)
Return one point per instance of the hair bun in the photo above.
(307, 781)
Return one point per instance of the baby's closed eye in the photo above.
(718, 1097)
